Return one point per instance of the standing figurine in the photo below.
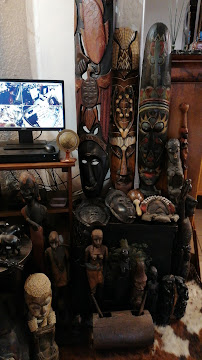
(152, 292)
(166, 299)
(41, 317)
(36, 216)
(57, 269)
(183, 297)
(95, 258)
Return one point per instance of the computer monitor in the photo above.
(30, 105)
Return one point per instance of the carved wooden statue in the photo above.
(184, 137)
(154, 106)
(93, 48)
(95, 258)
(152, 292)
(187, 206)
(175, 176)
(57, 269)
(41, 317)
(125, 64)
(166, 299)
(183, 297)
(36, 216)
(139, 279)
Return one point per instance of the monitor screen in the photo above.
(32, 105)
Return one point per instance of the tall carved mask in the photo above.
(93, 50)
(154, 106)
(125, 62)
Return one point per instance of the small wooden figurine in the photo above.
(166, 299)
(139, 279)
(152, 292)
(95, 258)
(183, 297)
(36, 216)
(57, 268)
(41, 317)
(174, 170)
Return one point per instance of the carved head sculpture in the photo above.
(120, 206)
(54, 240)
(93, 161)
(154, 105)
(38, 296)
(158, 208)
(173, 151)
(92, 212)
(28, 187)
(97, 237)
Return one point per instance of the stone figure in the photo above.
(187, 205)
(36, 216)
(57, 269)
(93, 49)
(95, 260)
(41, 317)
(158, 208)
(120, 206)
(125, 64)
(175, 176)
(154, 106)
(152, 292)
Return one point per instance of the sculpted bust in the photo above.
(41, 317)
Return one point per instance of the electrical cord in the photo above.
(38, 135)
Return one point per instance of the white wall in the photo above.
(158, 11)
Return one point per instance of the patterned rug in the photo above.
(181, 340)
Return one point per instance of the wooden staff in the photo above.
(184, 137)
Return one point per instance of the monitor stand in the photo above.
(26, 142)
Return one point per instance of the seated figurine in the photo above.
(41, 317)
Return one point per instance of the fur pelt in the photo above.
(181, 340)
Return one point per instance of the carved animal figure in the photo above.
(174, 170)
(8, 242)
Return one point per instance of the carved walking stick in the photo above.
(184, 138)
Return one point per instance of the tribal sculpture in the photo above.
(125, 64)
(93, 44)
(154, 106)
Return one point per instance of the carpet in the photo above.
(181, 340)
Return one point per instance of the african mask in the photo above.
(154, 106)
(93, 44)
(93, 161)
(125, 63)
(120, 206)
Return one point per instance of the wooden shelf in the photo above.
(43, 165)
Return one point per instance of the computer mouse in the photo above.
(49, 148)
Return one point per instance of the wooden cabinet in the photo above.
(186, 87)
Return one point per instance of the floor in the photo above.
(198, 224)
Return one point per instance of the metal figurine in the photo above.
(184, 137)
(125, 64)
(36, 216)
(41, 317)
(175, 177)
(93, 48)
(95, 259)
(186, 206)
(154, 106)
(57, 269)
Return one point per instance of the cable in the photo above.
(62, 182)
(38, 136)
